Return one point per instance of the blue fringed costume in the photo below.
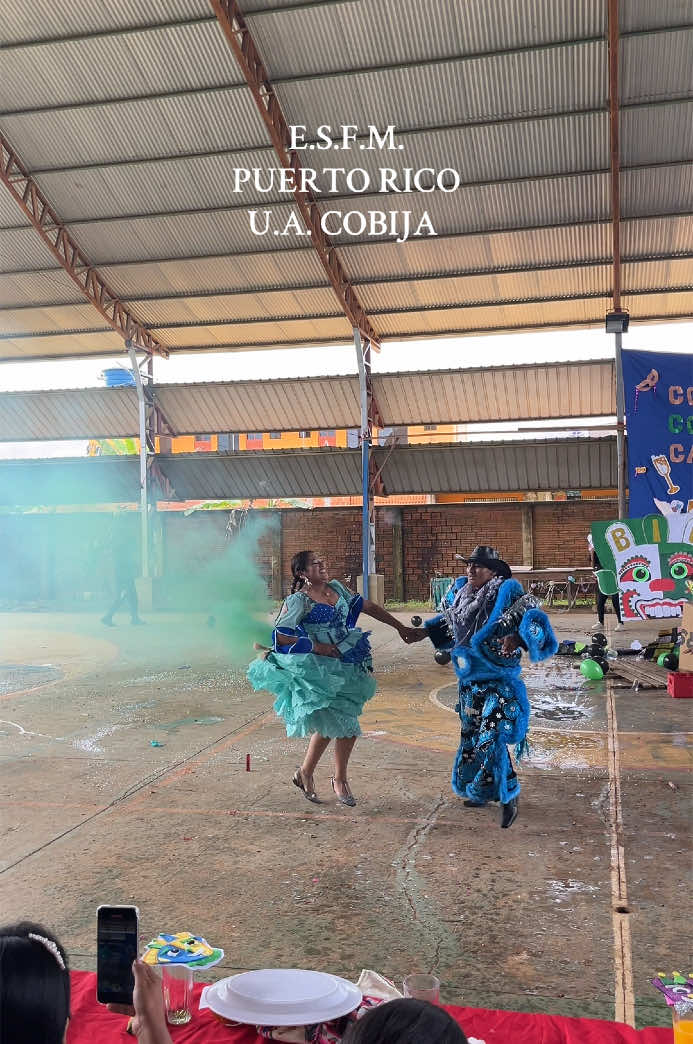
(493, 704)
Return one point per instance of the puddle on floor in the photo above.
(173, 726)
(16, 677)
(559, 693)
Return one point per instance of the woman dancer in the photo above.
(324, 681)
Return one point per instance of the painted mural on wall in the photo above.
(648, 562)
(659, 412)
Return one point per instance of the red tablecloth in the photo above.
(92, 1022)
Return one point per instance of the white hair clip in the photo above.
(49, 945)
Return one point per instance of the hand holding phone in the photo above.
(117, 946)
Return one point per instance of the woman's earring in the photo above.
(307, 582)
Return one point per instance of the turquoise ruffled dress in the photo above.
(319, 693)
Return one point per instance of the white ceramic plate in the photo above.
(281, 997)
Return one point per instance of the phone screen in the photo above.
(116, 949)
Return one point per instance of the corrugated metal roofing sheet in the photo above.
(111, 67)
(282, 474)
(224, 118)
(217, 273)
(84, 413)
(453, 91)
(508, 393)
(483, 250)
(177, 236)
(46, 19)
(277, 405)
(61, 345)
(661, 235)
(475, 468)
(638, 15)
(52, 286)
(502, 467)
(656, 66)
(665, 190)
(369, 35)
(503, 393)
(657, 134)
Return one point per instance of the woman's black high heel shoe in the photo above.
(298, 781)
(346, 799)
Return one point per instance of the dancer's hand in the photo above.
(326, 650)
(511, 643)
(413, 634)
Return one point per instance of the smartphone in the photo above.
(117, 946)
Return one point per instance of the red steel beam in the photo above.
(38, 210)
(231, 19)
(615, 153)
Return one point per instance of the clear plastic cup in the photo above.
(422, 987)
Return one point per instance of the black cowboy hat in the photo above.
(489, 557)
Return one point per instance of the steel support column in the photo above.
(616, 248)
(38, 210)
(148, 423)
(367, 508)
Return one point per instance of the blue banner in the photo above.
(659, 415)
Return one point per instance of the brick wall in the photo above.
(432, 536)
(61, 557)
(560, 531)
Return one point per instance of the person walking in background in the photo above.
(320, 669)
(602, 598)
(125, 570)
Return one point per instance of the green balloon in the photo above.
(591, 670)
(579, 646)
(661, 658)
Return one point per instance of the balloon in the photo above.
(580, 646)
(601, 662)
(416, 621)
(671, 662)
(599, 639)
(591, 670)
(661, 658)
(636, 646)
(442, 656)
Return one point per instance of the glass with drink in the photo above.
(177, 983)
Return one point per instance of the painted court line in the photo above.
(624, 997)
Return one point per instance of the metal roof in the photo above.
(133, 120)
(503, 467)
(475, 468)
(507, 393)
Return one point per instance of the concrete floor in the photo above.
(408, 880)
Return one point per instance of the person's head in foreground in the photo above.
(34, 985)
(406, 1021)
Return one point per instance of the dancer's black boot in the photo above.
(509, 812)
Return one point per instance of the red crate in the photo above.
(679, 685)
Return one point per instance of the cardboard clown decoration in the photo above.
(648, 563)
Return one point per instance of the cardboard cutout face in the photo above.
(649, 563)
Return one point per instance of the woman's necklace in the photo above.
(324, 597)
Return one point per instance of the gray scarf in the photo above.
(471, 609)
